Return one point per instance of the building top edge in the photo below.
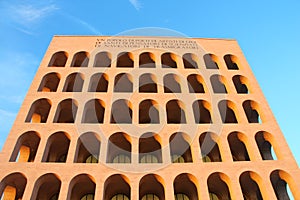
(140, 36)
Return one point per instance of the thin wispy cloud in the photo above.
(136, 4)
(83, 23)
(32, 13)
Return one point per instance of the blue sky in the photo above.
(267, 31)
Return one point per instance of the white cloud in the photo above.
(32, 13)
(136, 4)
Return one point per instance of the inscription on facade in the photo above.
(146, 43)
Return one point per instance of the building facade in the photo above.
(146, 118)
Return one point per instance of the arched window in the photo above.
(185, 187)
(39, 111)
(49, 82)
(57, 148)
(249, 185)
(175, 112)
(88, 148)
(251, 111)
(148, 112)
(26, 147)
(218, 186)
(151, 187)
(218, 83)
(80, 59)
(102, 59)
(119, 148)
(281, 182)
(74, 83)
(121, 112)
(172, 83)
(147, 83)
(66, 111)
(58, 59)
(98, 83)
(195, 83)
(116, 187)
(93, 111)
(169, 60)
(123, 83)
(147, 60)
(150, 148)
(230, 61)
(46, 187)
(201, 110)
(209, 147)
(180, 149)
(125, 59)
(226, 109)
(82, 187)
(237, 146)
(190, 61)
(12, 186)
(210, 61)
(240, 83)
(264, 142)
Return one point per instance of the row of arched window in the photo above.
(119, 147)
(151, 186)
(146, 60)
(149, 111)
(123, 82)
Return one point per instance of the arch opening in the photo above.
(125, 59)
(147, 83)
(185, 188)
(13, 186)
(58, 59)
(210, 61)
(180, 149)
(218, 186)
(121, 112)
(49, 82)
(26, 147)
(195, 83)
(150, 148)
(82, 187)
(240, 84)
(237, 147)
(46, 187)
(88, 148)
(172, 83)
(57, 148)
(116, 187)
(190, 61)
(218, 84)
(123, 83)
(102, 59)
(119, 148)
(201, 111)
(80, 59)
(168, 60)
(264, 143)
(151, 188)
(279, 180)
(175, 112)
(250, 187)
(148, 112)
(230, 61)
(74, 83)
(251, 111)
(93, 111)
(66, 111)
(226, 109)
(39, 111)
(147, 60)
(209, 147)
(98, 83)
